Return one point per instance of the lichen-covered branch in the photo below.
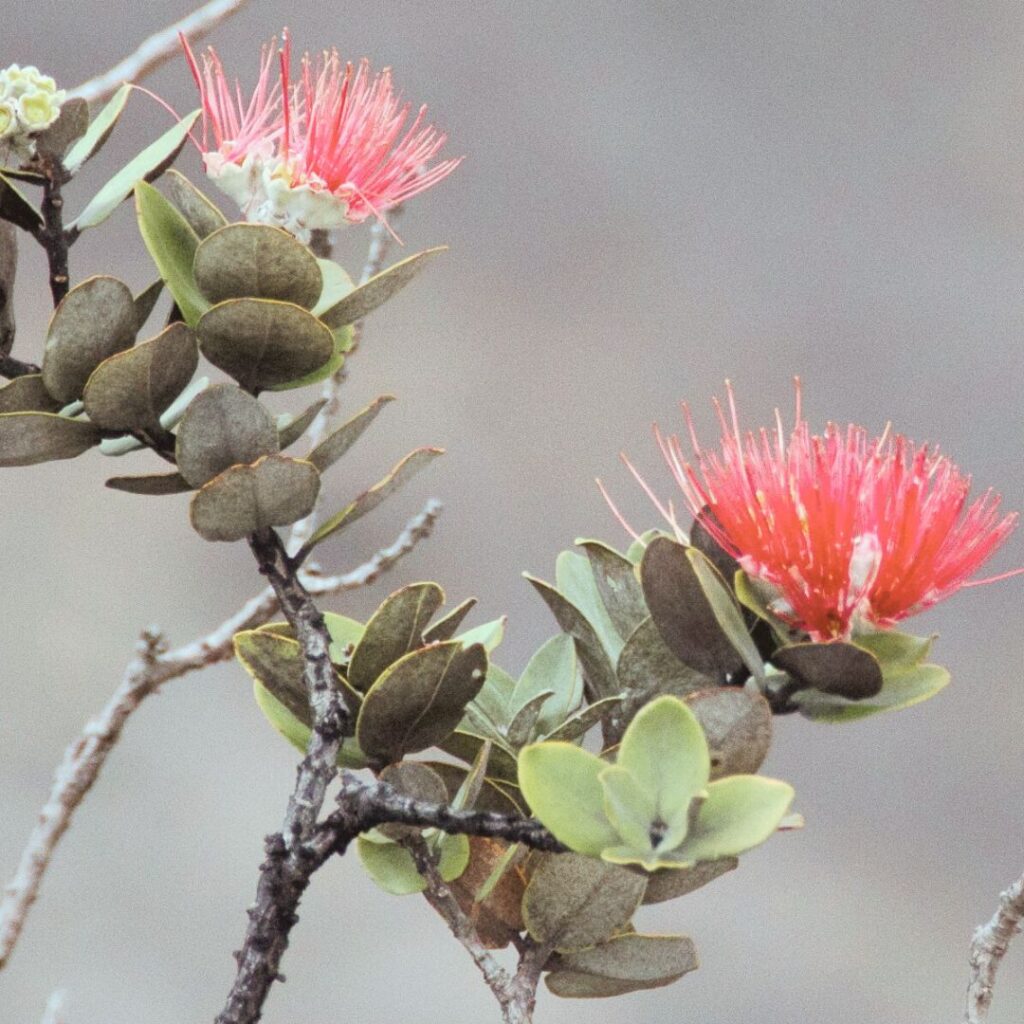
(156, 50)
(988, 947)
(289, 862)
(148, 671)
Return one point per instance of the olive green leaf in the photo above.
(172, 244)
(145, 302)
(370, 499)
(617, 585)
(336, 444)
(670, 885)
(222, 427)
(202, 215)
(336, 285)
(394, 629)
(575, 579)
(263, 342)
(623, 963)
(256, 261)
(448, 625)
(375, 292)
(274, 491)
(682, 612)
(71, 124)
(291, 428)
(132, 389)
(156, 483)
(488, 634)
(28, 394)
(147, 166)
(416, 780)
(28, 438)
(573, 902)
(419, 700)
(94, 320)
(647, 667)
(737, 725)
(552, 669)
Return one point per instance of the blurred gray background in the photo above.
(655, 197)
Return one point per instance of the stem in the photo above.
(988, 947)
(290, 857)
(53, 237)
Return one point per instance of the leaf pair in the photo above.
(655, 806)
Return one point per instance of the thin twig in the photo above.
(146, 673)
(375, 255)
(156, 50)
(988, 947)
(52, 236)
(8, 270)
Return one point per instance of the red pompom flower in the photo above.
(330, 149)
(850, 530)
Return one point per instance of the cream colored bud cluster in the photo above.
(29, 103)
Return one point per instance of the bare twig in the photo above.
(8, 269)
(151, 668)
(319, 428)
(289, 863)
(988, 947)
(54, 1012)
(156, 50)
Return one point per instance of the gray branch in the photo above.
(156, 50)
(988, 947)
(147, 672)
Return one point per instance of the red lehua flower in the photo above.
(848, 529)
(331, 149)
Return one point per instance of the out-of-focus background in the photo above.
(655, 197)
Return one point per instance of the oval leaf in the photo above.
(836, 668)
(738, 727)
(93, 322)
(28, 394)
(131, 390)
(274, 491)
(256, 261)
(203, 217)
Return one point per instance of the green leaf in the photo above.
(172, 245)
(28, 394)
(147, 166)
(488, 634)
(665, 751)
(95, 320)
(448, 625)
(28, 438)
(256, 261)
(596, 666)
(740, 812)
(262, 343)
(635, 551)
(14, 207)
(901, 688)
(524, 723)
(98, 131)
(552, 668)
(895, 650)
(377, 290)
(291, 428)
(415, 780)
(156, 483)
(630, 808)
(342, 341)
(345, 633)
(576, 726)
(392, 866)
(573, 902)
(274, 491)
(562, 786)
(836, 668)
(617, 585)
(132, 389)
(681, 611)
(575, 580)
(647, 667)
(370, 499)
(737, 725)
(670, 885)
(222, 427)
(394, 629)
(336, 444)
(726, 611)
(624, 963)
(349, 756)
(202, 215)
(419, 700)
(336, 285)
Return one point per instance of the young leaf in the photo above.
(147, 166)
(98, 131)
(339, 441)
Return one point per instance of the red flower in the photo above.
(330, 149)
(846, 528)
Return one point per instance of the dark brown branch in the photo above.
(364, 805)
(290, 860)
(52, 236)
